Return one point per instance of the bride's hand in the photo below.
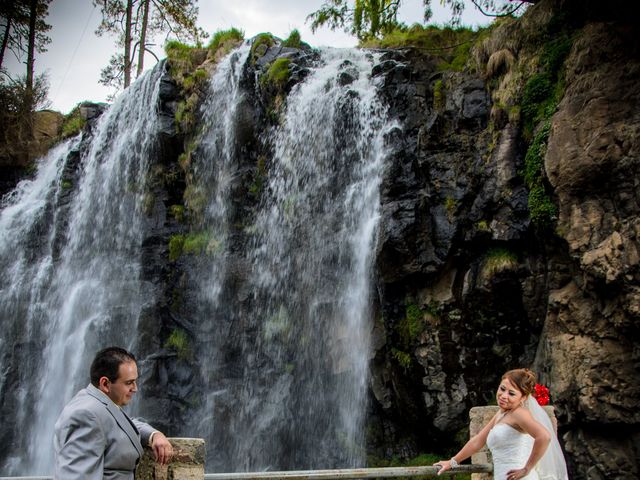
(444, 466)
(517, 474)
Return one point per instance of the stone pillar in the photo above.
(478, 418)
(187, 462)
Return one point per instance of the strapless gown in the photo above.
(510, 450)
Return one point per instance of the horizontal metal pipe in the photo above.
(357, 473)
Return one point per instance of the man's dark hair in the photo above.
(107, 363)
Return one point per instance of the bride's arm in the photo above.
(472, 446)
(541, 439)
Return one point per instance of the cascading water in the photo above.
(70, 282)
(278, 301)
(288, 342)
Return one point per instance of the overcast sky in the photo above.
(76, 55)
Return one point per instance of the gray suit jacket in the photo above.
(95, 440)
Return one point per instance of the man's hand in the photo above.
(162, 449)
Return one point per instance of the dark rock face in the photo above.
(447, 202)
(589, 343)
(468, 288)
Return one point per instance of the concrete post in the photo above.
(187, 462)
(478, 418)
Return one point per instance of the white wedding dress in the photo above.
(510, 450)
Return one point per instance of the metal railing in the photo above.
(339, 474)
(355, 473)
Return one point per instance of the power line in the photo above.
(73, 55)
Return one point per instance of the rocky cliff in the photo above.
(509, 236)
(508, 233)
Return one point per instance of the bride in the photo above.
(520, 436)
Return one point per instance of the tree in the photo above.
(371, 18)
(140, 21)
(24, 29)
(366, 18)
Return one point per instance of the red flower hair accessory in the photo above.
(541, 394)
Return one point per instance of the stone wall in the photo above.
(187, 462)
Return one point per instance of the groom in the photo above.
(94, 438)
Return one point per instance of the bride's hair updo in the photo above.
(523, 379)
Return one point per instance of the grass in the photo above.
(225, 39)
(278, 74)
(498, 260)
(450, 46)
(73, 123)
(424, 459)
(412, 325)
(293, 40)
(178, 341)
(403, 358)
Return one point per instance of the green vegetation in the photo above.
(258, 179)
(175, 247)
(184, 65)
(260, 45)
(540, 99)
(226, 39)
(425, 459)
(178, 341)
(195, 243)
(483, 226)
(195, 199)
(450, 46)
(403, 358)
(498, 260)
(278, 326)
(545, 89)
(72, 123)
(293, 40)
(278, 74)
(177, 212)
(365, 19)
(412, 325)
(66, 185)
(438, 95)
(198, 243)
(541, 207)
(450, 205)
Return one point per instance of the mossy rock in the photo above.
(261, 44)
(278, 74)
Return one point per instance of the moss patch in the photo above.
(541, 207)
(411, 326)
(278, 74)
(178, 342)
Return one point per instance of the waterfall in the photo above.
(286, 355)
(277, 303)
(70, 283)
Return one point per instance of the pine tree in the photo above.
(135, 24)
(373, 18)
(20, 22)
